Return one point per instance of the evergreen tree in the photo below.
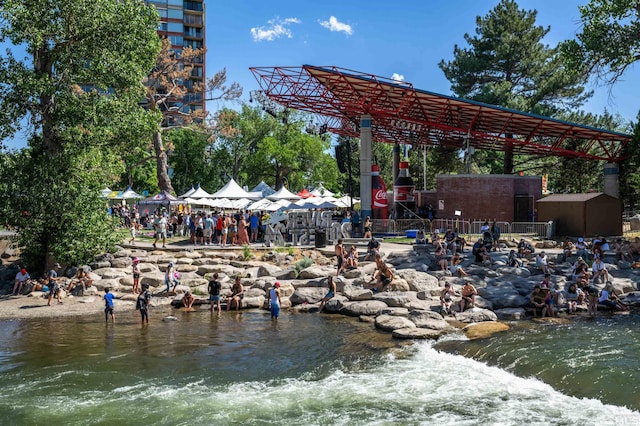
(506, 64)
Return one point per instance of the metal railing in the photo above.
(513, 230)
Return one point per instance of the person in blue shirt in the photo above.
(254, 222)
(108, 305)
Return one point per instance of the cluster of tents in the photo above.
(233, 196)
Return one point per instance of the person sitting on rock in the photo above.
(479, 250)
(525, 248)
(622, 251)
(581, 249)
(81, 280)
(608, 297)
(373, 248)
(188, 299)
(446, 299)
(512, 260)
(441, 258)
(456, 267)
(599, 270)
(21, 278)
(468, 297)
(538, 300)
(382, 276)
(634, 248)
(573, 294)
(420, 237)
(580, 272)
(237, 294)
(330, 294)
(352, 258)
(542, 262)
(567, 249)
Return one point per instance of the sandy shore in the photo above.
(31, 306)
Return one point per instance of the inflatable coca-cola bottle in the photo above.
(378, 194)
(403, 192)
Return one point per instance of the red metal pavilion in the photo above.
(402, 114)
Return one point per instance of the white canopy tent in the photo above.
(200, 193)
(264, 189)
(321, 191)
(188, 193)
(283, 194)
(105, 192)
(128, 194)
(232, 191)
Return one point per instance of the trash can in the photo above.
(321, 238)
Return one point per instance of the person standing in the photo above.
(170, 278)
(330, 294)
(135, 266)
(254, 222)
(274, 300)
(54, 288)
(340, 256)
(214, 292)
(355, 223)
(243, 236)
(108, 305)
(368, 228)
(142, 304)
(160, 225)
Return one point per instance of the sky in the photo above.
(406, 40)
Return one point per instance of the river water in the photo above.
(312, 369)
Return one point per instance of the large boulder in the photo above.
(357, 293)
(418, 281)
(476, 315)
(399, 284)
(121, 262)
(395, 299)
(253, 302)
(110, 273)
(220, 269)
(335, 304)
(366, 307)
(510, 314)
(428, 319)
(307, 295)
(316, 271)
(268, 270)
(390, 322)
(484, 329)
(416, 333)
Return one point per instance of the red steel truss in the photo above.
(401, 113)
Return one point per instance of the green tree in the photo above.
(79, 87)
(507, 64)
(609, 41)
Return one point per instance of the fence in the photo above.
(508, 230)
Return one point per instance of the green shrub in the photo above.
(301, 264)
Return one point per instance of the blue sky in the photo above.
(406, 38)
(383, 38)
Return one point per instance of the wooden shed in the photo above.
(582, 214)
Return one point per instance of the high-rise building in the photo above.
(183, 23)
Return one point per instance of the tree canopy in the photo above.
(609, 41)
(506, 64)
(78, 89)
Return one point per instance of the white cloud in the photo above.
(276, 28)
(334, 25)
(397, 77)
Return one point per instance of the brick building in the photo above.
(508, 198)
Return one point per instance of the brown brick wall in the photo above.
(482, 197)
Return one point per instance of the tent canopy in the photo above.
(264, 189)
(321, 191)
(199, 193)
(188, 193)
(283, 194)
(304, 193)
(163, 198)
(232, 191)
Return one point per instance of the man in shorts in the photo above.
(340, 256)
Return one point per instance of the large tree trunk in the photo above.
(508, 161)
(162, 168)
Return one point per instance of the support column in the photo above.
(365, 165)
(612, 179)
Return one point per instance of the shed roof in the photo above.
(571, 197)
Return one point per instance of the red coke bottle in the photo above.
(403, 192)
(378, 194)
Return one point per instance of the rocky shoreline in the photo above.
(409, 309)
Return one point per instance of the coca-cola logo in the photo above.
(379, 195)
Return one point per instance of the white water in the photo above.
(426, 387)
